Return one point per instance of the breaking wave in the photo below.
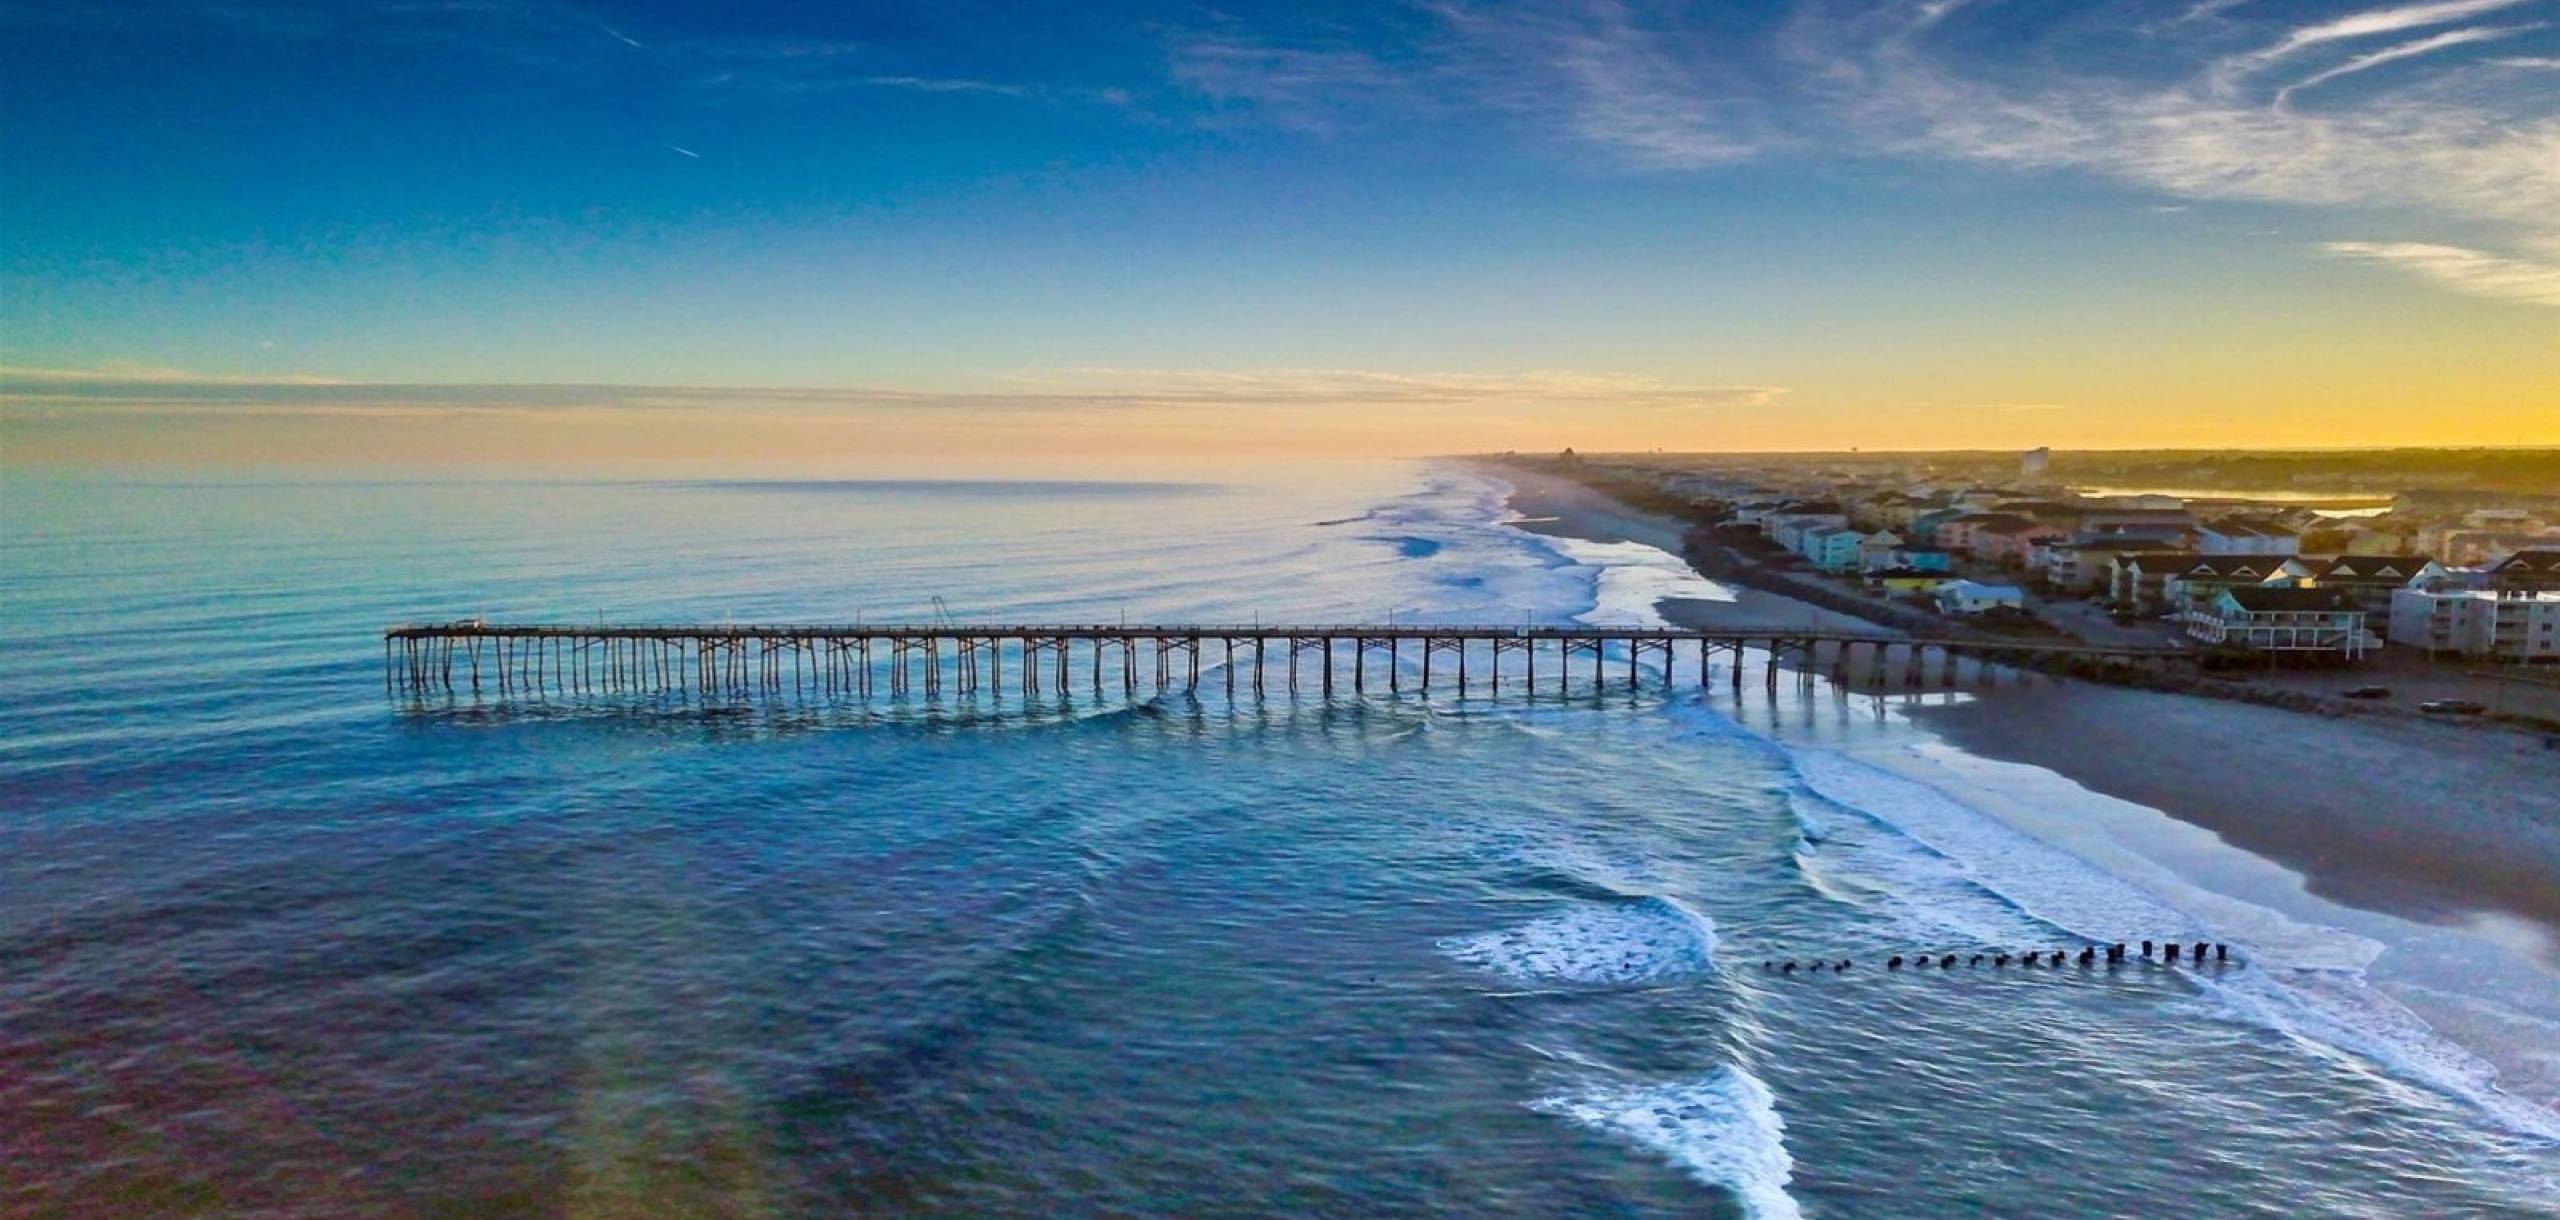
(1724, 1131)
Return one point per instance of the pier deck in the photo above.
(858, 660)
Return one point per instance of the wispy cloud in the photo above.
(2373, 22)
(141, 388)
(2400, 51)
(944, 84)
(1310, 88)
(1360, 386)
(2495, 159)
(127, 373)
(2476, 272)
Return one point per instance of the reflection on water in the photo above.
(271, 942)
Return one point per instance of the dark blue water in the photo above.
(274, 943)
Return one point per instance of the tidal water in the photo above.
(274, 942)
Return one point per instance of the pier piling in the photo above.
(476, 658)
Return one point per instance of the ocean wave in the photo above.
(1950, 869)
(1724, 1131)
(1966, 847)
(2314, 991)
(1630, 577)
(1411, 546)
(1642, 941)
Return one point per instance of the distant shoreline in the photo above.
(2426, 822)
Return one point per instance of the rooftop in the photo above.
(2260, 599)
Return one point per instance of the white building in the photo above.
(1879, 550)
(1971, 597)
(2514, 626)
(2238, 537)
(1788, 529)
(2271, 620)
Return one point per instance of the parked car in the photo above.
(2452, 707)
(2369, 692)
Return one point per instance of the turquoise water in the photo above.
(274, 943)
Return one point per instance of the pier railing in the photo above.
(858, 660)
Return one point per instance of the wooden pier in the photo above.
(837, 661)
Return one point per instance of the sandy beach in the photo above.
(1564, 508)
(2427, 822)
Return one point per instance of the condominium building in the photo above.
(2273, 620)
(2511, 626)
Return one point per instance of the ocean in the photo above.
(275, 942)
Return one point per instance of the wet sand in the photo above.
(1566, 509)
(2427, 822)
(2430, 823)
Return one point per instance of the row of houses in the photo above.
(2234, 579)
(2349, 605)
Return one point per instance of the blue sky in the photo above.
(1869, 207)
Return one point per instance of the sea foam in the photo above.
(1644, 940)
(1630, 577)
(1962, 852)
(1724, 1130)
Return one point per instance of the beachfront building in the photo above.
(1965, 535)
(1789, 527)
(1970, 598)
(2011, 545)
(2371, 581)
(1876, 550)
(1924, 527)
(2529, 570)
(1890, 510)
(2089, 566)
(1755, 512)
(1907, 580)
(2247, 536)
(2137, 521)
(1832, 548)
(2389, 534)
(2199, 577)
(2278, 622)
(2467, 547)
(2150, 580)
(2508, 626)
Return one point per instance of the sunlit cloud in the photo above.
(2471, 271)
(2367, 24)
(2470, 159)
(137, 373)
(1637, 84)
(1356, 386)
(1070, 388)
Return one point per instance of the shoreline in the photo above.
(1561, 508)
(2416, 821)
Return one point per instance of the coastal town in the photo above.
(2443, 597)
